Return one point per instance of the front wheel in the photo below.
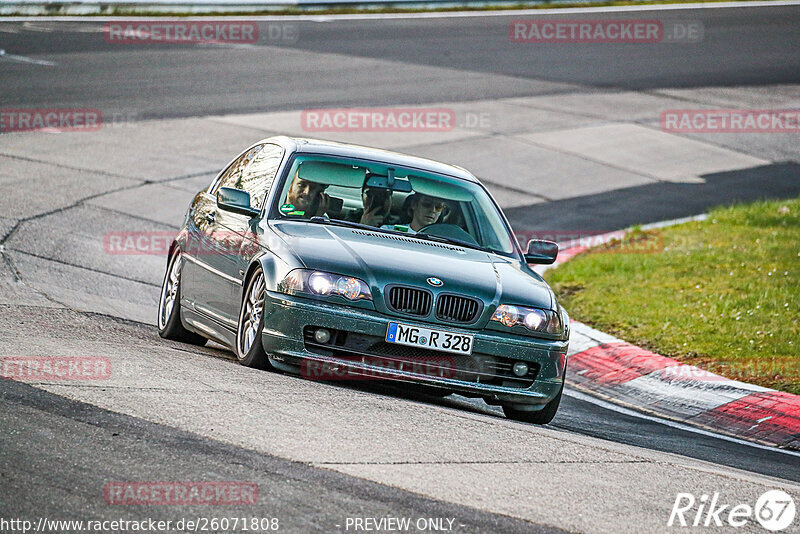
(169, 305)
(249, 350)
(539, 417)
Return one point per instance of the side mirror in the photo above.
(541, 251)
(235, 200)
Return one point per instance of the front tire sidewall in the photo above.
(539, 417)
(255, 357)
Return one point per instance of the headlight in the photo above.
(320, 283)
(350, 288)
(534, 319)
(324, 284)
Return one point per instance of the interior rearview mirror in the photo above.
(235, 200)
(384, 182)
(541, 251)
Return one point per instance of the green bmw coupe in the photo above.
(338, 262)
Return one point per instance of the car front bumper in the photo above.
(287, 317)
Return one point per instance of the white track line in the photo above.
(23, 59)
(680, 426)
(425, 15)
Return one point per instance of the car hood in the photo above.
(381, 258)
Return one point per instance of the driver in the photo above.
(308, 197)
(423, 210)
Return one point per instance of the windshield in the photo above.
(390, 198)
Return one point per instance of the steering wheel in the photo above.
(449, 230)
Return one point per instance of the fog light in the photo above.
(322, 336)
(520, 369)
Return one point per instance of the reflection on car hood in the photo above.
(381, 259)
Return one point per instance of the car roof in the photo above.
(332, 148)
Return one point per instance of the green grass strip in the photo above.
(722, 294)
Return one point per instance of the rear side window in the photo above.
(258, 177)
(254, 172)
(233, 174)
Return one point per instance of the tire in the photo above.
(169, 305)
(249, 350)
(539, 417)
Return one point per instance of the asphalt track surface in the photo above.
(102, 443)
(431, 60)
(57, 452)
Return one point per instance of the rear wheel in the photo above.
(249, 350)
(539, 417)
(169, 305)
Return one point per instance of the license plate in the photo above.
(426, 338)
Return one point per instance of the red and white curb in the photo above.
(623, 373)
(617, 371)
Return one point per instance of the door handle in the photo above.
(210, 216)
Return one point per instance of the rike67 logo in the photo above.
(774, 510)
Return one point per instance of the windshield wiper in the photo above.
(451, 241)
(341, 222)
(424, 237)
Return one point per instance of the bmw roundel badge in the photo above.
(435, 282)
